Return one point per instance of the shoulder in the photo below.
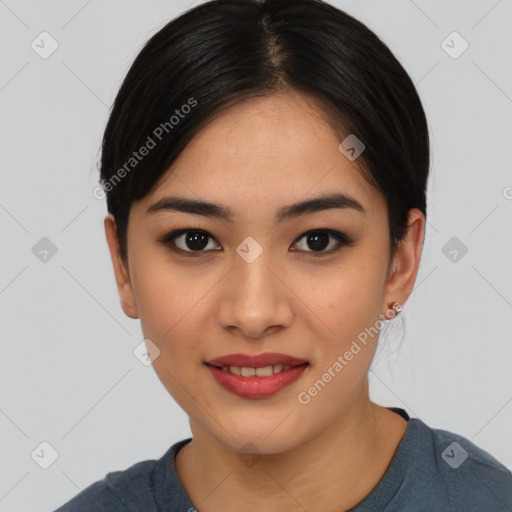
(120, 491)
(469, 477)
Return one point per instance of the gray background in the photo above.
(68, 373)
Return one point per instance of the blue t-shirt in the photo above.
(432, 471)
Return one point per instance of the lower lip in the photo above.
(257, 387)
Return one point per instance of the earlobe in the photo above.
(124, 286)
(404, 267)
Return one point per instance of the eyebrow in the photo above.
(207, 209)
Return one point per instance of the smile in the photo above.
(260, 382)
(264, 371)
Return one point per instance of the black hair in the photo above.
(222, 52)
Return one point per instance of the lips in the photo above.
(256, 361)
(256, 376)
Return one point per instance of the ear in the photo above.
(404, 267)
(124, 286)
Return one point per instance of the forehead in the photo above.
(266, 150)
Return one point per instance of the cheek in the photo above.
(350, 306)
(170, 298)
(171, 302)
(346, 298)
(349, 303)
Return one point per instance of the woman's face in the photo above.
(256, 283)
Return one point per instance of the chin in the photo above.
(263, 438)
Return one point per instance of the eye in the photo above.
(190, 241)
(318, 240)
(195, 242)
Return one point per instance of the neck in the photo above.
(334, 470)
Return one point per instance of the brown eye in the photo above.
(195, 242)
(318, 240)
(192, 241)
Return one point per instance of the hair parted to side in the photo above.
(225, 51)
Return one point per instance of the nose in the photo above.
(255, 300)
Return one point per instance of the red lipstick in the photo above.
(256, 386)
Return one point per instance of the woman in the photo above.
(265, 166)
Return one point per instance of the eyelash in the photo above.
(341, 238)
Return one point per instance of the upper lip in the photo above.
(256, 361)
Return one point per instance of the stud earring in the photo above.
(397, 307)
(393, 310)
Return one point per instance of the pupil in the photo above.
(196, 241)
(320, 241)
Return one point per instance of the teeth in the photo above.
(265, 371)
(248, 372)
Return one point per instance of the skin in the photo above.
(255, 157)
